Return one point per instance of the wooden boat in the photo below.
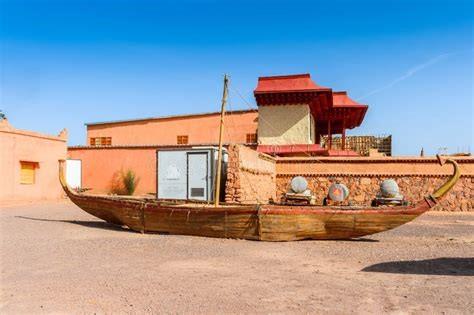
(264, 222)
(253, 222)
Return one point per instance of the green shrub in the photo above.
(130, 181)
(123, 182)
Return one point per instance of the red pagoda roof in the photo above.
(287, 83)
(345, 113)
(340, 99)
(291, 90)
(325, 105)
(352, 111)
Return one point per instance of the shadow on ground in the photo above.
(91, 224)
(439, 266)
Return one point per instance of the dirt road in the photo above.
(57, 259)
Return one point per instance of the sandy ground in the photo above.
(57, 259)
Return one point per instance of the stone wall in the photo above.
(253, 177)
(250, 176)
(363, 189)
(416, 178)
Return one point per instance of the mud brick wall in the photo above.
(363, 189)
(416, 178)
(250, 176)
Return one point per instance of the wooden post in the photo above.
(329, 134)
(343, 138)
(221, 135)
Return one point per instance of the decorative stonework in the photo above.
(254, 177)
(363, 189)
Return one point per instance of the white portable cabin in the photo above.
(188, 174)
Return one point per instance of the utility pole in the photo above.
(221, 136)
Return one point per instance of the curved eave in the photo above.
(358, 111)
(353, 115)
(258, 92)
(293, 98)
(362, 115)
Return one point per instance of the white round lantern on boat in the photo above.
(389, 188)
(338, 192)
(299, 184)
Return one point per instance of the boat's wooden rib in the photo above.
(253, 222)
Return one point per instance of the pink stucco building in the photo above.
(191, 129)
(29, 164)
(132, 144)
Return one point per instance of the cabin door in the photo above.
(198, 175)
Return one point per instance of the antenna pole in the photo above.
(221, 136)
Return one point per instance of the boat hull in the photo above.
(252, 222)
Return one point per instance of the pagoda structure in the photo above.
(294, 112)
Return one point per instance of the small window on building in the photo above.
(182, 139)
(100, 141)
(105, 141)
(251, 138)
(27, 172)
(95, 141)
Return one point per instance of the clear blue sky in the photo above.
(64, 63)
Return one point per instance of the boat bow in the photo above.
(106, 208)
(441, 192)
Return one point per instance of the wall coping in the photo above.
(459, 159)
(62, 137)
(143, 146)
(368, 175)
(169, 117)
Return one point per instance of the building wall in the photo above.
(250, 176)
(201, 129)
(20, 145)
(284, 124)
(102, 167)
(254, 177)
(416, 177)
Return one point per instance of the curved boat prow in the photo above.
(62, 178)
(436, 196)
(446, 187)
(88, 203)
